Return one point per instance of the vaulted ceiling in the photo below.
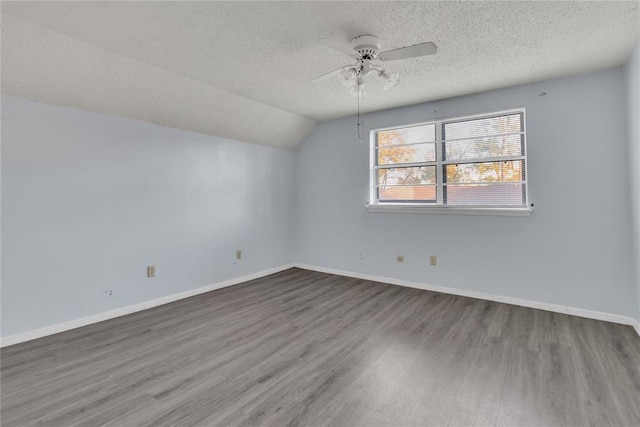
(241, 70)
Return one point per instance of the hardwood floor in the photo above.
(307, 348)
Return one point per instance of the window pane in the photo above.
(511, 170)
(425, 193)
(407, 176)
(498, 194)
(483, 127)
(407, 154)
(496, 146)
(408, 135)
(392, 148)
(478, 162)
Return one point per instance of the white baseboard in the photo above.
(574, 311)
(73, 324)
(636, 325)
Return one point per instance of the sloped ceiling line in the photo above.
(241, 69)
(45, 66)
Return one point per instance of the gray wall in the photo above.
(89, 200)
(574, 250)
(632, 71)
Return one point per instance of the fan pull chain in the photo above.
(358, 120)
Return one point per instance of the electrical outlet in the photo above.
(107, 293)
(238, 255)
(433, 260)
(151, 271)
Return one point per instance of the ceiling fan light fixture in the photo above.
(348, 73)
(347, 76)
(352, 77)
(391, 80)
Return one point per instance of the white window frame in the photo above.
(375, 205)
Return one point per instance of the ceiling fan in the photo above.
(365, 50)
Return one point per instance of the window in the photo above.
(467, 164)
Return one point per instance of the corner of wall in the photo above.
(632, 74)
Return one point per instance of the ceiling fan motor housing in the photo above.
(367, 46)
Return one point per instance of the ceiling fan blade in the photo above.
(413, 51)
(326, 76)
(339, 46)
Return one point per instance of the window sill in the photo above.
(407, 208)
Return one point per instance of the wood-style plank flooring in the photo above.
(307, 348)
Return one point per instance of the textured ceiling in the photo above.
(242, 69)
